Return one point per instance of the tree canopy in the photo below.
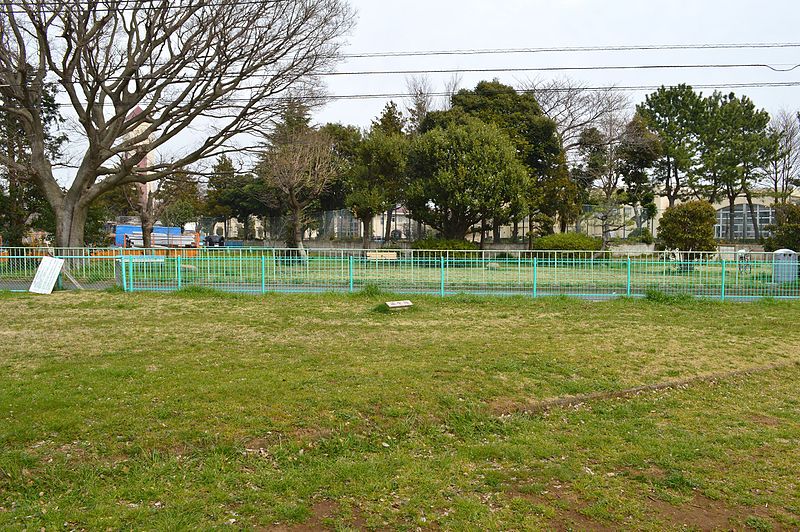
(462, 173)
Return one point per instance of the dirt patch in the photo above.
(311, 434)
(651, 472)
(320, 512)
(702, 513)
(567, 506)
(303, 435)
(504, 407)
(767, 421)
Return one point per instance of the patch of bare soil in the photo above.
(303, 435)
(320, 512)
(767, 421)
(504, 407)
(567, 506)
(702, 513)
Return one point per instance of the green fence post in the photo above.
(130, 272)
(124, 278)
(263, 274)
(628, 289)
(535, 275)
(722, 290)
(179, 271)
(441, 281)
(350, 263)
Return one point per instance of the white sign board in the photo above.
(46, 275)
(399, 304)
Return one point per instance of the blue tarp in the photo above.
(123, 230)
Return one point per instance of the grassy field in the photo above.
(198, 410)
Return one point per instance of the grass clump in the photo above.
(657, 296)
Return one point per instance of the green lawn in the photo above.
(289, 412)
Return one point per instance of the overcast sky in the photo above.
(412, 25)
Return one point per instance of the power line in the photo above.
(599, 88)
(774, 68)
(573, 49)
(790, 68)
(467, 51)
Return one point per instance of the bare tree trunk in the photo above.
(367, 228)
(483, 232)
(530, 232)
(753, 218)
(389, 216)
(295, 234)
(637, 217)
(495, 232)
(515, 231)
(606, 228)
(70, 223)
(731, 211)
(147, 229)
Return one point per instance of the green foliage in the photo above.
(23, 206)
(376, 175)
(745, 147)
(642, 235)
(675, 115)
(233, 194)
(180, 200)
(639, 150)
(688, 227)
(786, 232)
(567, 241)
(370, 290)
(391, 121)
(461, 174)
(346, 141)
(549, 190)
(433, 243)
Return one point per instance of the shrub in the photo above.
(642, 235)
(688, 227)
(785, 233)
(443, 244)
(567, 241)
(435, 248)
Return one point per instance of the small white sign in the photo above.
(399, 304)
(46, 275)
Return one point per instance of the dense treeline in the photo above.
(491, 157)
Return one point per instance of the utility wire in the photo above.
(467, 51)
(400, 95)
(790, 68)
(353, 73)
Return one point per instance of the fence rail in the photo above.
(534, 273)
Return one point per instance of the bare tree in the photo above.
(782, 173)
(152, 201)
(299, 170)
(223, 68)
(575, 107)
(600, 150)
(420, 102)
(451, 87)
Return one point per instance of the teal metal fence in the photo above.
(594, 275)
